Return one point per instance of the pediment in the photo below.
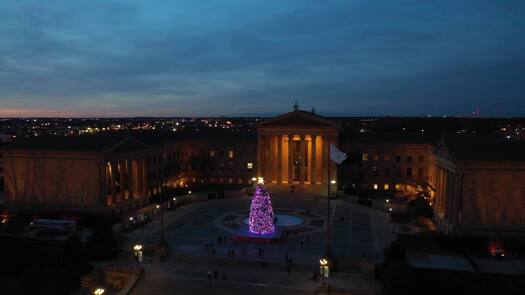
(442, 151)
(298, 118)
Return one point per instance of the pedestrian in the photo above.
(364, 253)
(290, 261)
(302, 243)
(288, 269)
(233, 253)
(307, 238)
(209, 274)
(286, 257)
(223, 277)
(215, 274)
(213, 252)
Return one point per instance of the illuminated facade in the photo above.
(293, 150)
(114, 175)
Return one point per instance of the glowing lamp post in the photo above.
(99, 291)
(137, 251)
(324, 268)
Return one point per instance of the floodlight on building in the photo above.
(260, 180)
(254, 179)
(131, 218)
(189, 192)
(99, 291)
(387, 200)
(137, 247)
(174, 199)
(333, 181)
(158, 206)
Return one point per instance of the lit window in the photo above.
(212, 153)
(230, 154)
(365, 157)
(230, 180)
(387, 157)
(386, 186)
(376, 157)
(376, 186)
(249, 165)
(398, 186)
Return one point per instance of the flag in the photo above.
(336, 155)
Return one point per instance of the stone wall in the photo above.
(494, 199)
(47, 179)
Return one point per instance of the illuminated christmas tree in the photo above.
(261, 212)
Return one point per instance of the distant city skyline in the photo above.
(251, 58)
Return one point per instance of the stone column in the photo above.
(129, 164)
(290, 159)
(102, 184)
(314, 162)
(123, 180)
(273, 151)
(112, 188)
(279, 159)
(302, 166)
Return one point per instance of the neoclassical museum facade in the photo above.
(293, 151)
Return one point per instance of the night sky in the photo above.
(209, 58)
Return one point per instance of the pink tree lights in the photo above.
(261, 212)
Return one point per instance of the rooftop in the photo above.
(95, 143)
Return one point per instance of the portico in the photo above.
(293, 149)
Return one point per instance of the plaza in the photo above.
(357, 238)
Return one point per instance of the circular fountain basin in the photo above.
(283, 220)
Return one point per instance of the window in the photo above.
(409, 172)
(398, 186)
(409, 159)
(376, 157)
(230, 154)
(386, 186)
(398, 158)
(365, 157)
(376, 186)
(212, 153)
(421, 158)
(249, 165)
(387, 157)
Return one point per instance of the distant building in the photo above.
(109, 174)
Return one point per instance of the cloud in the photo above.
(228, 57)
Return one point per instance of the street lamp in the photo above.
(324, 268)
(137, 251)
(99, 291)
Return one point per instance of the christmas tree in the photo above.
(261, 212)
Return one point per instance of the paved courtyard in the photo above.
(355, 231)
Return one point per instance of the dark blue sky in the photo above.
(189, 57)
